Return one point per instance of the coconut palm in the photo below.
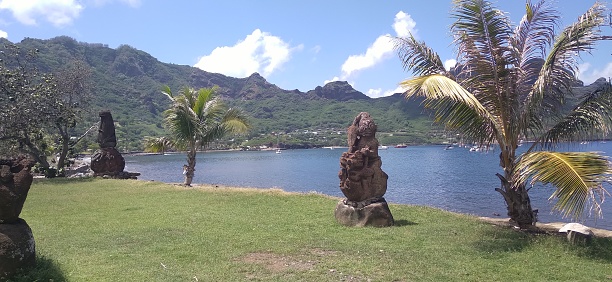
(157, 144)
(197, 118)
(513, 82)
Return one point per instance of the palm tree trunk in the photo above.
(191, 162)
(518, 203)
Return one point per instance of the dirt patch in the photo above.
(278, 263)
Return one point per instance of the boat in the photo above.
(449, 147)
(382, 147)
(278, 151)
(401, 146)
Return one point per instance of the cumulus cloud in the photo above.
(259, 52)
(57, 12)
(448, 64)
(377, 93)
(588, 75)
(3, 34)
(378, 51)
(404, 25)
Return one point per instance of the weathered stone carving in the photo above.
(106, 131)
(17, 246)
(362, 180)
(107, 161)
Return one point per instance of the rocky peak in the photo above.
(338, 90)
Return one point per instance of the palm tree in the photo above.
(197, 118)
(513, 82)
(157, 144)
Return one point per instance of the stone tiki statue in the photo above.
(362, 180)
(17, 246)
(107, 160)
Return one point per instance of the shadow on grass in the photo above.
(498, 240)
(63, 180)
(403, 222)
(45, 270)
(599, 248)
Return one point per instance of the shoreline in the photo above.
(552, 227)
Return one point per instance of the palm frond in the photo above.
(530, 40)
(454, 106)
(578, 178)
(418, 57)
(482, 36)
(561, 64)
(167, 91)
(590, 117)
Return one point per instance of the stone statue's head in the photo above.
(367, 127)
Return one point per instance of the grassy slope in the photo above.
(110, 230)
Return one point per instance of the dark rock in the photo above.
(373, 214)
(107, 161)
(15, 181)
(106, 131)
(17, 248)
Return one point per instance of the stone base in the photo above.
(374, 214)
(107, 161)
(17, 248)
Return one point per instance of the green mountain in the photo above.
(128, 82)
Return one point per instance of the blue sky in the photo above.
(293, 44)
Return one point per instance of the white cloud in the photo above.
(589, 77)
(404, 25)
(331, 80)
(259, 52)
(381, 49)
(3, 34)
(57, 12)
(377, 93)
(448, 64)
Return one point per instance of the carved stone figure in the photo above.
(362, 180)
(106, 131)
(17, 246)
(107, 161)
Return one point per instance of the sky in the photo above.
(294, 44)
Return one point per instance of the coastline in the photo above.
(549, 227)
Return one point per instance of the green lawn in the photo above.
(124, 230)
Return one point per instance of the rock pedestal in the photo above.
(17, 246)
(362, 180)
(107, 161)
(374, 214)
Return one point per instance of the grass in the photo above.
(125, 230)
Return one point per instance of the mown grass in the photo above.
(118, 230)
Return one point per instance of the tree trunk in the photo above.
(63, 152)
(191, 162)
(518, 203)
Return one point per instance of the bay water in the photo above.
(457, 180)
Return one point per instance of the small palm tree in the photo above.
(514, 82)
(197, 118)
(158, 144)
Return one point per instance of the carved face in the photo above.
(367, 127)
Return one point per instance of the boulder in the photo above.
(17, 248)
(107, 161)
(577, 233)
(360, 215)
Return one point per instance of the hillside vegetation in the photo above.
(128, 82)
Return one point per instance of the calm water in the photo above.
(456, 180)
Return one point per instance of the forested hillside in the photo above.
(128, 82)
